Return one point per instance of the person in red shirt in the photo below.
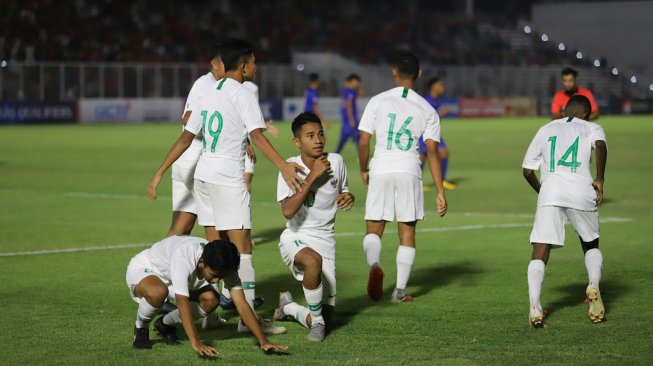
(561, 97)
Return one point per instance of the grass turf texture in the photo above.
(83, 186)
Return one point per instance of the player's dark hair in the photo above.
(407, 65)
(302, 119)
(221, 256)
(578, 106)
(351, 77)
(569, 71)
(235, 52)
(313, 77)
(216, 51)
(432, 81)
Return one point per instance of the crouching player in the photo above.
(187, 266)
(308, 245)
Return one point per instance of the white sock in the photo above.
(145, 313)
(197, 310)
(405, 259)
(535, 279)
(172, 318)
(594, 265)
(314, 300)
(298, 312)
(372, 248)
(248, 278)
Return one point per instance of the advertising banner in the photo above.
(130, 110)
(14, 112)
(497, 107)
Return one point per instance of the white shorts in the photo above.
(138, 269)
(182, 190)
(249, 165)
(226, 208)
(290, 245)
(549, 226)
(390, 194)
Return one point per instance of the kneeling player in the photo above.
(308, 245)
(562, 149)
(188, 265)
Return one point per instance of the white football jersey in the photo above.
(399, 117)
(227, 113)
(189, 158)
(562, 150)
(175, 258)
(317, 216)
(251, 86)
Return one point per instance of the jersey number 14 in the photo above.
(571, 153)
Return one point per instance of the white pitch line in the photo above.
(338, 234)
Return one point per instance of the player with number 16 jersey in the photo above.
(398, 117)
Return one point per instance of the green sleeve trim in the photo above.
(221, 83)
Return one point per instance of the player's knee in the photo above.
(309, 259)
(208, 301)
(587, 245)
(156, 295)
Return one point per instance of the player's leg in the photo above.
(182, 223)
(149, 292)
(379, 208)
(310, 262)
(329, 280)
(548, 230)
(443, 152)
(202, 303)
(586, 225)
(344, 136)
(405, 258)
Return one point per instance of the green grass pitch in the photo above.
(84, 186)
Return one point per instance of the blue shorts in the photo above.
(422, 145)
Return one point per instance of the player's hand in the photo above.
(598, 187)
(251, 154)
(272, 129)
(321, 166)
(151, 186)
(293, 180)
(204, 349)
(445, 109)
(365, 176)
(269, 347)
(352, 124)
(442, 204)
(345, 201)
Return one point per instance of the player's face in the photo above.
(568, 82)
(249, 69)
(437, 89)
(355, 84)
(311, 140)
(207, 273)
(217, 68)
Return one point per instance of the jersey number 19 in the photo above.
(212, 130)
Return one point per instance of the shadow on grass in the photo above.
(268, 235)
(574, 294)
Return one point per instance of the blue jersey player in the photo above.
(312, 98)
(436, 90)
(348, 111)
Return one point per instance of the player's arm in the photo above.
(318, 113)
(364, 156)
(350, 113)
(181, 145)
(436, 172)
(292, 204)
(444, 110)
(287, 170)
(531, 178)
(601, 159)
(189, 327)
(249, 318)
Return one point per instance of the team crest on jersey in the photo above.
(334, 182)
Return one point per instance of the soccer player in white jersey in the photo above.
(398, 117)
(186, 266)
(308, 245)
(562, 150)
(228, 113)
